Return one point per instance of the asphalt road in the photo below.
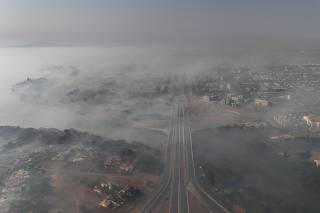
(180, 178)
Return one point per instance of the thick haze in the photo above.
(33, 23)
(80, 22)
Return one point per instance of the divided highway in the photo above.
(179, 190)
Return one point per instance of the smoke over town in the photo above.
(168, 106)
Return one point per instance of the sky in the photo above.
(106, 21)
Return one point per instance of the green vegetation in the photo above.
(311, 182)
(242, 167)
(149, 163)
(33, 197)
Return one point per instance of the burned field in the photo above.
(250, 171)
(49, 170)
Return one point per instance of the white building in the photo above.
(261, 102)
(312, 121)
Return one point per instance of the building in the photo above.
(312, 121)
(261, 102)
(316, 163)
(233, 100)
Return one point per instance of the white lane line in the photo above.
(179, 159)
(196, 182)
(188, 206)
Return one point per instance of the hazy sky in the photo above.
(89, 21)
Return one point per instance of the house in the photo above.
(312, 121)
(233, 100)
(126, 168)
(261, 102)
(111, 202)
(317, 163)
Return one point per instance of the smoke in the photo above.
(93, 88)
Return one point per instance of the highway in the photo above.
(179, 190)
